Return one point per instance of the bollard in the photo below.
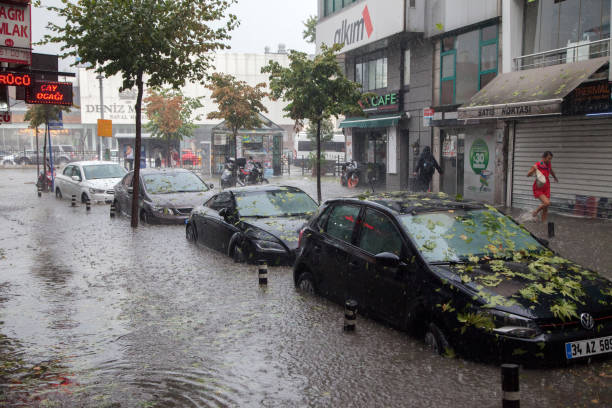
(551, 229)
(263, 272)
(39, 191)
(88, 204)
(350, 315)
(112, 210)
(510, 386)
(73, 203)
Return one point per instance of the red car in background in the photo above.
(189, 158)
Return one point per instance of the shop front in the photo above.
(264, 144)
(565, 109)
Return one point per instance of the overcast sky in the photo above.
(263, 23)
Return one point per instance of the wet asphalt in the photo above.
(96, 314)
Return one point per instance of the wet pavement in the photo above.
(94, 313)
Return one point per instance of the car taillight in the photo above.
(300, 237)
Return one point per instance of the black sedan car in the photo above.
(167, 196)
(253, 223)
(463, 276)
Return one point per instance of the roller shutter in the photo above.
(582, 160)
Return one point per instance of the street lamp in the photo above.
(100, 78)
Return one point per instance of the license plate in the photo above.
(585, 348)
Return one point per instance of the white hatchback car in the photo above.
(93, 180)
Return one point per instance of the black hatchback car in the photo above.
(253, 223)
(460, 274)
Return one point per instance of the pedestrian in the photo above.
(425, 169)
(129, 157)
(541, 186)
(158, 159)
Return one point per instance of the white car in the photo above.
(93, 180)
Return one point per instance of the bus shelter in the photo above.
(264, 144)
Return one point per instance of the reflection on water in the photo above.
(96, 314)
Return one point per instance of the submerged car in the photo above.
(166, 196)
(89, 180)
(253, 223)
(461, 275)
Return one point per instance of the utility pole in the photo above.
(100, 78)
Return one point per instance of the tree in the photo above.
(152, 42)
(316, 89)
(170, 116)
(327, 131)
(310, 30)
(238, 103)
(41, 115)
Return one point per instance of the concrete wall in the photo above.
(512, 33)
(446, 15)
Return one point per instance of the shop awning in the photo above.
(371, 122)
(528, 93)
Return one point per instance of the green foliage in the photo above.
(40, 114)
(327, 131)
(310, 29)
(564, 310)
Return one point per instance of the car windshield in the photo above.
(274, 203)
(457, 235)
(103, 171)
(178, 182)
(68, 148)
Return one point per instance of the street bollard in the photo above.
(510, 386)
(262, 272)
(350, 315)
(88, 204)
(551, 229)
(39, 191)
(73, 203)
(112, 210)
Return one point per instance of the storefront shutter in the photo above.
(582, 160)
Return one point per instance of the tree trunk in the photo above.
(235, 157)
(137, 144)
(319, 161)
(37, 156)
(168, 154)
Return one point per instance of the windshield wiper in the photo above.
(446, 262)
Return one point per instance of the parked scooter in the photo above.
(350, 174)
(228, 176)
(252, 173)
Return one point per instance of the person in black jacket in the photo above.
(425, 169)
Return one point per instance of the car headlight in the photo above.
(513, 325)
(96, 191)
(269, 246)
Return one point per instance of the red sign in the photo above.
(9, 78)
(51, 93)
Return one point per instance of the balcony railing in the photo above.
(580, 51)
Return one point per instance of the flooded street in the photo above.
(94, 313)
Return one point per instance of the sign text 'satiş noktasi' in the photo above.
(51, 93)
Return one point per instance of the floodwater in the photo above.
(93, 313)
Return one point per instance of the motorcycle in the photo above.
(40, 182)
(253, 175)
(228, 176)
(350, 174)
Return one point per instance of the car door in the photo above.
(123, 197)
(63, 182)
(333, 250)
(220, 229)
(381, 291)
(202, 220)
(75, 185)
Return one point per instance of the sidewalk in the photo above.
(583, 240)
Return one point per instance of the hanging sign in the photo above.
(105, 128)
(428, 115)
(15, 79)
(15, 33)
(50, 93)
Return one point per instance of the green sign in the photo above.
(382, 103)
(479, 156)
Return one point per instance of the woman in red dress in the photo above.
(542, 192)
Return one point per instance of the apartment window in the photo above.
(406, 67)
(552, 24)
(371, 73)
(412, 3)
(331, 6)
(469, 61)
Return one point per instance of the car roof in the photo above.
(91, 163)
(405, 202)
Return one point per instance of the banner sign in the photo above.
(50, 93)
(591, 97)
(105, 128)
(15, 33)
(381, 103)
(511, 110)
(15, 79)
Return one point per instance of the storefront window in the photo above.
(552, 24)
(469, 65)
(372, 73)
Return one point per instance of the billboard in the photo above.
(15, 33)
(49, 93)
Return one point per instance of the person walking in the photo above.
(541, 186)
(425, 169)
(129, 157)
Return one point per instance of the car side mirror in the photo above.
(130, 190)
(211, 186)
(387, 259)
(76, 178)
